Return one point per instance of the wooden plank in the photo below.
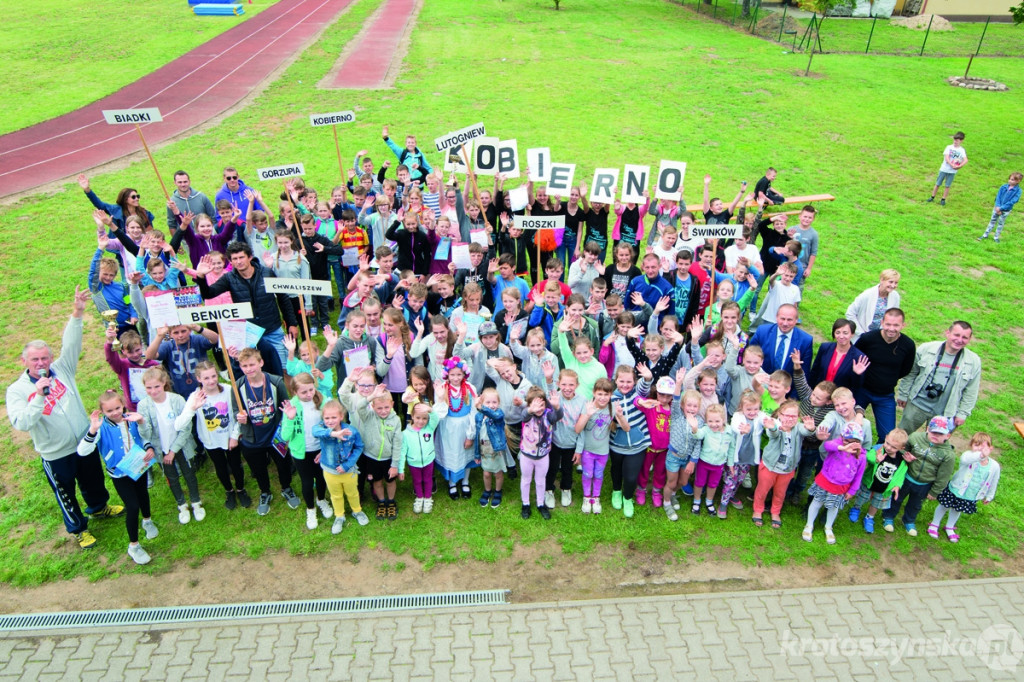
(808, 199)
(1020, 428)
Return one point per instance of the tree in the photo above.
(1018, 13)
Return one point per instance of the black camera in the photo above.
(932, 391)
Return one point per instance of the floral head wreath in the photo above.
(455, 363)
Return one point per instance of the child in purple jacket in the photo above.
(839, 479)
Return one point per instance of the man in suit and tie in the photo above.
(779, 340)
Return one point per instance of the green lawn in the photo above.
(59, 55)
(601, 83)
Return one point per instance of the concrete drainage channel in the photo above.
(213, 612)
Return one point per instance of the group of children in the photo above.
(435, 371)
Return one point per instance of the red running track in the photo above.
(189, 91)
(364, 68)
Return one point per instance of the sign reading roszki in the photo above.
(460, 136)
(318, 120)
(548, 222)
(215, 313)
(716, 231)
(298, 287)
(129, 116)
(279, 172)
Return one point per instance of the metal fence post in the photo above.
(983, 31)
(715, 16)
(734, 6)
(925, 41)
(782, 24)
(873, 20)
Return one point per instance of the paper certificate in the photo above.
(241, 334)
(234, 333)
(135, 385)
(444, 246)
(460, 256)
(133, 464)
(162, 311)
(350, 257)
(472, 322)
(479, 237)
(356, 359)
(518, 198)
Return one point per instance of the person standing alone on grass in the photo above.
(1007, 196)
(954, 157)
(45, 402)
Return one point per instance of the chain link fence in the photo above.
(929, 35)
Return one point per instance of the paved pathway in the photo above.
(950, 631)
(374, 55)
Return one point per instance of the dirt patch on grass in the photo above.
(537, 572)
(921, 22)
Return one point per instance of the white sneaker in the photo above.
(150, 528)
(549, 499)
(138, 554)
(361, 518)
(197, 511)
(339, 524)
(417, 505)
(586, 506)
(428, 505)
(311, 519)
(747, 483)
(595, 505)
(566, 498)
(183, 515)
(325, 508)
(675, 501)
(670, 512)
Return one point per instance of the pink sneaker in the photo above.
(657, 500)
(640, 497)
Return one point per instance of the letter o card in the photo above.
(670, 180)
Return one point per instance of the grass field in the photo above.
(75, 56)
(602, 84)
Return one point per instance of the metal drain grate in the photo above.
(309, 607)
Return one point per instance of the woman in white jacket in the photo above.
(869, 307)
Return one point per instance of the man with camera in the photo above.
(943, 382)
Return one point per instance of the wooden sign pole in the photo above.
(337, 149)
(145, 146)
(231, 373)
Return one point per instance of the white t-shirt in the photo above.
(165, 424)
(733, 254)
(955, 153)
(213, 419)
(691, 244)
(310, 418)
(779, 296)
(666, 256)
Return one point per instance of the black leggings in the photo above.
(561, 461)
(228, 463)
(625, 472)
(135, 495)
(259, 461)
(310, 472)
